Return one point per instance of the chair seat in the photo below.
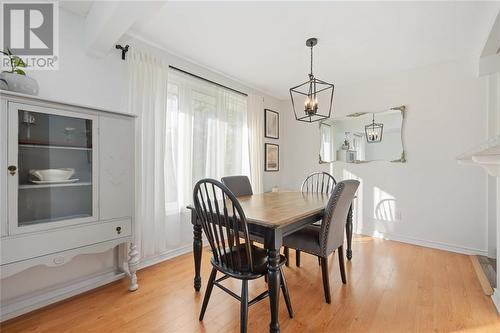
(305, 239)
(239, 252)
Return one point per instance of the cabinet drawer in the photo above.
(42, 243)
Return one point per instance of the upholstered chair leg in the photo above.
(341, 264)
(326, 281)
(244, 306)
(286, 252)
(208, 292)
(297, 258)
(286, 295)
(319, 261)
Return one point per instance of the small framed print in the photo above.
(272, 157)
(272, 124)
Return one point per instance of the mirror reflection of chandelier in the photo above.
(374, 131)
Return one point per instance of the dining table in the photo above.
(270, 217)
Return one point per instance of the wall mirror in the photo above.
(363, 137)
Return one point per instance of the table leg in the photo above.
(272, 242)
(274, 289)
(348, 230)
(197, 250)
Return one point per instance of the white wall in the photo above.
(102, 83)
(273, 178)
(82, 79)
(493, 105)
(437, 202)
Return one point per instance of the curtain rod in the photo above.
(207, 80)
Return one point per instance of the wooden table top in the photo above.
(278, 209)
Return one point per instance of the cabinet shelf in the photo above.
(53, 147)
(28, 186)
(62, 218)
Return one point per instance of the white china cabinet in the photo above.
(67, 185)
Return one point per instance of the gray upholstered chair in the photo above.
(324, 240)
(239, 185)
(316, 182)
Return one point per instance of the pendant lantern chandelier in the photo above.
(374, 131)
(316, 95)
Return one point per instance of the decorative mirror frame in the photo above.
(402, 159)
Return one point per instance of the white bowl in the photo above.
(53, 174)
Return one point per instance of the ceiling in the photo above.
(81, 8)
(263, 43)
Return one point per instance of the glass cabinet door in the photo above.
(55, 167)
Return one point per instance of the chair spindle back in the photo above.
(224, 224)
(319, 182)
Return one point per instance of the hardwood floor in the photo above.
(391, 287)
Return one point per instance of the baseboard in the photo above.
(421, 242)
(165, 256)
(27, 304)
(33, 302)
(496, 299)
(481, 276)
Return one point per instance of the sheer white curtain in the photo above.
(148, 100)
(256, 141)
(207, 136)
(187, 129)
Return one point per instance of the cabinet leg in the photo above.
(133, 262)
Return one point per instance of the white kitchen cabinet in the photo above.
(48, 222)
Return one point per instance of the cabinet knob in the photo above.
(118, 230)
(12, 169)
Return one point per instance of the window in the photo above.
(326, 149)
(206, 136)
(358, 144)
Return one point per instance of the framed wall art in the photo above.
(272, 124)
(272, 157)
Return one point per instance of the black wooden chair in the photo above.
(239, 185)
(225, 226)
(324, 240)
(316, 182)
